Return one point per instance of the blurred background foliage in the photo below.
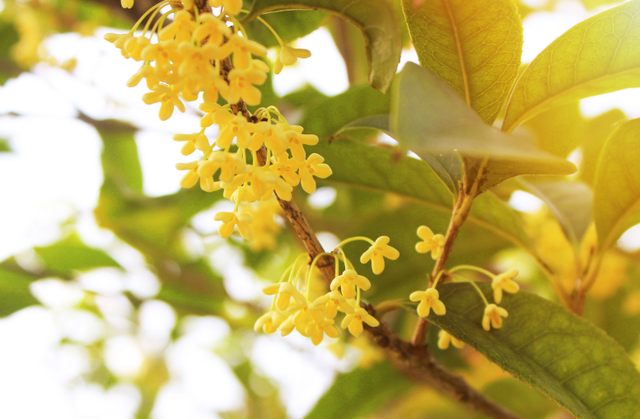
(193, 286)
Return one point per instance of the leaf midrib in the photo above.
(456, 36)
(525, 115)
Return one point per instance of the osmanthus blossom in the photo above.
(377, 252)
(504, 282)
(493, 317)
(330, 303)
(289, 56)
(354, 321)
(429, 299)
(444, 339)
(433, 243)
(232, 219)
(285, 291)
(348, 281)
(314, 166)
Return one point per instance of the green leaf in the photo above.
(330, 115)
(541, 343)
(558, 130)
(475, 46)
(598, 55)
(519, 398)
(376, 18)
(8, 38)
(383, 170)
(598, 131)
(70, 254)
(617, 184)
(14, 292)
(428, 116)
(4, 146)
(570, 202)
(289, 25)
(360, 392)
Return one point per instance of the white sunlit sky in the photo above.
(54, 174)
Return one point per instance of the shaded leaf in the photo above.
(70, 254)
(376, 18)
(549, 348)
(427, 116)
(617, 184)
(383, 170)
(360, 392)
(519, 398)
(475, 46)
(596, 56)
(571, 203)
(289, 25)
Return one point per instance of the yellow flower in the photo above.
(296, 139)
(181, 28)
(212, 29)
(377, 252)
(194, 172)
(230, 220)
(493, 317)
(316, 330)
(236, 127)
(431, 242)
(444, 339)
(193, 141)
(285, 291)
(242, 48)
(348, 281)
(168, 99)
(503, 282)
(241, 83)
(286, 169)
(330, 302)
(269, 322)
(313, 166)
(127, 4)
(289, 56)
(354, 321)
(429, 299)
(231, 7)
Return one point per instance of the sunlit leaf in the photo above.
(549, 348)
(571, 203)
(427, 116)
(598, 55)
(558, 130)
(598, 130)
(376, 18)
(474, 45)
(617, 184)
(70, 254)
(359, 392)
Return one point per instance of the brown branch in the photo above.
(415, 361)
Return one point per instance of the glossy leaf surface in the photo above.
(541, 343)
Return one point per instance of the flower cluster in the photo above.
(296, 307)
(252, 156)
(430, 298)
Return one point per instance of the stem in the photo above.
(353, 239)
(273, 31)
(388, 306)
(416, 363)
(459, 216)
(486, 303)
(472, 268)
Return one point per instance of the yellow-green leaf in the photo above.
(617, 184)
(599, 55)
(474, 45)
(376, 19)
(549, 348)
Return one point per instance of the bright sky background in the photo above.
(54, 173)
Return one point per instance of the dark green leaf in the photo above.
(617, 184)
(519, 398)
(376, 18)
(360, 392)
(474, 45)
(289, 25)
(549, 348)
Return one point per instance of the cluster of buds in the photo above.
(252, 156)
(296, 307)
